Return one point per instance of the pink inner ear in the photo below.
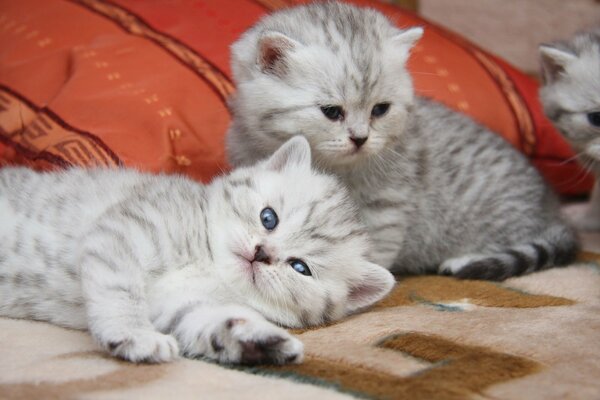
(363, 293)
(278, 162)
(270, 54)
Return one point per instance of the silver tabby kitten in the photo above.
(571, 99)
(437, 191)
(155, 266)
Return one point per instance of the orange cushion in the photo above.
(144, 84)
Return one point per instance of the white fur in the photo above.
(155, 266)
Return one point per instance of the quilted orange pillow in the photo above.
(145, 83)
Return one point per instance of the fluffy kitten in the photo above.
(571, 99)
(158, 265)
(437, 191)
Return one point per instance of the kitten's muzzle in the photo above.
(358, 136)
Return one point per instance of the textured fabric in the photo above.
(533, 337)
(145, 83)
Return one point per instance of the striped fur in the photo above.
(155, 266)
(437, 191)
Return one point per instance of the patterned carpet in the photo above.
(533, 337)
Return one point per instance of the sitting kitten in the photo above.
(158, 265)
(571, 99)
(437, 191)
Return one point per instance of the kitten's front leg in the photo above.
(232, 334)
(117, 309)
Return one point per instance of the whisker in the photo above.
(571, 158)
(580, 176)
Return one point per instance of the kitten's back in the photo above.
(44, 216)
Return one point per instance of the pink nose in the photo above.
(358, 141)
(261, 255)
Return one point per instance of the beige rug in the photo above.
(534, 337)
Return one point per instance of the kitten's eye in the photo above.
(334, 113)
(269, 218)
(300, 267)
(380, 109)
(594, 118)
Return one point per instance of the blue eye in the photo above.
(269, 218)
(300, 267)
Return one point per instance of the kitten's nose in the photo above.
(261, 255)
(358, 141)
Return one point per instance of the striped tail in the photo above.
(557, 247)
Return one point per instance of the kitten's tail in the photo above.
(556, 247)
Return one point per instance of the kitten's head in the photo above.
(290, 242)
(571, 90)
(331, 72)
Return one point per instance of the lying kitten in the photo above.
(571, 99)
(438, 192)
(158, 265)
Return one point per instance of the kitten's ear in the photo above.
(405, 40)
(272, 50)
(295, 153)
(374, 283)
(554, 62)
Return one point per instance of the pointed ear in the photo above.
(554, 62)
(273, 48)
(295, 153)
(374, 283)
(405, 40)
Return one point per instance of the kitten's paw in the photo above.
(475, 266)
(453, 266)
(582, 217)
(250, 340)
(145, 346)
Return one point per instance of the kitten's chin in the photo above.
(344, 160)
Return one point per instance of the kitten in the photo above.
(158, 265)
(571, 98)
(437, 191)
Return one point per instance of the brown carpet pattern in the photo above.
(434, 337)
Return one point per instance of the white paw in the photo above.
(243, 338)
(581, 217)
(249, 341)
(237, 335)
(453, 265)
(145, 345)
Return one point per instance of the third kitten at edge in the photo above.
(570, 95)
